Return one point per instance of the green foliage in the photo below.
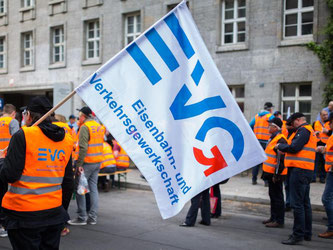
(324, 52)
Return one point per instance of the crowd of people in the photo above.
(41, 167)
(37, 180)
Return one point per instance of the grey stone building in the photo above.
(48, 47)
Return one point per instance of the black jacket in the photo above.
(11, 171)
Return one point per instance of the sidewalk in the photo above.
(238, 188)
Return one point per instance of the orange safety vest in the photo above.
(318, 126)
(261, 127)
(4, 131)
(95, 144)
(329, 154)
(122, 160)
(109, 159)
(66, 127)
(269, 165)
(39, 187)
(284, 128)
(305, 158)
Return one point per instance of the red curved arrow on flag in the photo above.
(216, 163)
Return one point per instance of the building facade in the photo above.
(48, 47)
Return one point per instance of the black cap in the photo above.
(268, 105)
(293, 117)
(276, 113)
(71, 117)
(276, 121)
(85, 110)
(39, 104)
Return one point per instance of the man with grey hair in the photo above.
(329, 109)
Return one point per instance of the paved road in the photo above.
(129, 219)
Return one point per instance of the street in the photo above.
(129, 219)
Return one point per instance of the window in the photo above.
(233, 21)
(238, 92)
(297, 98)
(2, 52)
(2, 6)
(132, 27)
(58, 44)
(27, 3)
(172, 6)
(92, 39)
(27, 53)
(298, 18)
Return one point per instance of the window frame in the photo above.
(4, 54)
(31, 66)
(299, 12)
(24, 3)
(61, 45)
(296, 98)
(238, 100)
(134, 34)
(96, 41)
(4, 11)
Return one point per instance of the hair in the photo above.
(9, 108)
(323, 110)
(60, 118)
(36, 116)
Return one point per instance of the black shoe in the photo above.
(184, 225)
(214, 216)
(267, 221)
(204, 223)
(307, 238)
(322, 181)
(292, 241)
(287, 209)
(254, 182)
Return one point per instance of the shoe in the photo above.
(292, 241)
(322, 180)
(267, 221)
(254, 182)
(326, 235)
(91, 221)
(3, 233)
(274, 225)
(214, 216)
(184, 225)
(65, 231)
(313, 181)
(307, 238)
(77, 222)
(204, 223)
(266, 184)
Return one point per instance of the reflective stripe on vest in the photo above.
(4, 131)
(269, 166)
(260, 128)
(95, 144)
(305, 158)
(109, 159)
(122, 160)
(329, 154)
(39, 187)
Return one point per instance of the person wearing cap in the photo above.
(39, 175)
(90, 156)
(327, 197)
(259, 124)
(8, 125)
(299, 159)
(322, 129)
(274, 172)
(72, 123)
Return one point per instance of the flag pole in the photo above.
(70, 95)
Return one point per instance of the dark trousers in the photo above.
(47, 238)
(300, 180)
(204, 206)
(287, 189)
(255, 169)
(217, 193)
(319, 167)
(275, 191)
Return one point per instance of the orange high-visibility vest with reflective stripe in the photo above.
(318, 126)
(95, 144)
(109, 159)
(39, 187)
(122, 160)
(329, 154)
(261, 127)
(269, 165)
(65, 126)
(305, 158)
(284, 128)
(4, 131)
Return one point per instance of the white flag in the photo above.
(165, 102)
